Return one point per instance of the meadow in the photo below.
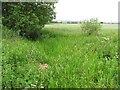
(62, 58)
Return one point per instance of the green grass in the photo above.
(74, 59)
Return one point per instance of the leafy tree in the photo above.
(27, 18)
(91, 26)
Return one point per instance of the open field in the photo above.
(62, 58)
(75, 28)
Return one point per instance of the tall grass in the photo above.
(73, 59)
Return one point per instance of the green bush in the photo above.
(91, 26)
(24, 17)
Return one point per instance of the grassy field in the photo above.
(62, 58)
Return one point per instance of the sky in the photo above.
(77, 10)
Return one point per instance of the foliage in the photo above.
(74, 60)
(90, 26)
(27, 18)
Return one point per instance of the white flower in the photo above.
(105, 38)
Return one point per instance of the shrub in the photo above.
(91, 26)
(25, 17)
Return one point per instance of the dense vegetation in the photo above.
(62, 58)
(27, 19)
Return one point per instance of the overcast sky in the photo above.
(76, 10)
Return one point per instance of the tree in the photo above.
(27, 18)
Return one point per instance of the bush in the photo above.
(91, 26)
(25, 17)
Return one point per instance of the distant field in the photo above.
(62, 58)
(75, 28)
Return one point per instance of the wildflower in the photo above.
(105, 38)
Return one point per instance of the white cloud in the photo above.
(104, 10)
